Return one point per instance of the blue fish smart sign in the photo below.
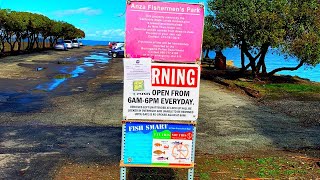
(158, 144)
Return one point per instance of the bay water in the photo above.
(275, 60)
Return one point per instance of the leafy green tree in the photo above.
(17, 26)
(56, 32)
(68, 30)
(44, 28)
(214, 38)
(3, 21)
(13, 28)
(258, 25)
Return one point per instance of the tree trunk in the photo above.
(44, 43)
(55, 40)
(264, 68)
(2, 45)
(9, 41)
(261, 62)
(2, 50)
(12, 48)
(37, 41)
(242, 60)
(19, 46)
(51, 40)
(286, 68)
(207, 53)
(30, 42)
(251, 58)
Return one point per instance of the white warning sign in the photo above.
(158, 91)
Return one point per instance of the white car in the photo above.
(60, 46)
(68, 43)
(75, 43)
(117, 45)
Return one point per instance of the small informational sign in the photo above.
(158, 144)
(158, 91)
(164, 31)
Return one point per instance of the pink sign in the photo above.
(164, 31)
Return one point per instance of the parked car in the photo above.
(75, 43)
(60, 46)
(117, 45)
(80, 43)
(114, 53)
(68, 43)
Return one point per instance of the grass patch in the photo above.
(309, 91)
(258, 165)
(62, 76)
(293, 88)
(277, 167)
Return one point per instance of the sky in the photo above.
(102, 20)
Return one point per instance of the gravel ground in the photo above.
(308, 112)
(230, 123)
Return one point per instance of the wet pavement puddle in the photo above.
(21, 102)
(32, 97)
(66, 71)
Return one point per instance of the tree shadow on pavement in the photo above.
(33, 152)
(151, 173)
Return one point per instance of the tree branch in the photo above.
(286, 68)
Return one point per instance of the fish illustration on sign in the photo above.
(162, 158)
(166, 146)
(157, 144)
(158, 152)
(176, 142)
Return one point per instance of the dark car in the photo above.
(118, 52)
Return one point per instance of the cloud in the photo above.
(108, 34)
(85, 10)
(114, 32)
(91, 35)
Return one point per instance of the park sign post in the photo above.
(163, 48)
(164, 31)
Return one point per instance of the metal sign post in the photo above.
(161, 85)
(123, 170)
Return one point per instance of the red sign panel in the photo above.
(174, 76)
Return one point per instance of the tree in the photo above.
(17, 26)
(3, 20)
(45, 26)
(12, 29)
(214, 38)
(257, 25)
(56, 32)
